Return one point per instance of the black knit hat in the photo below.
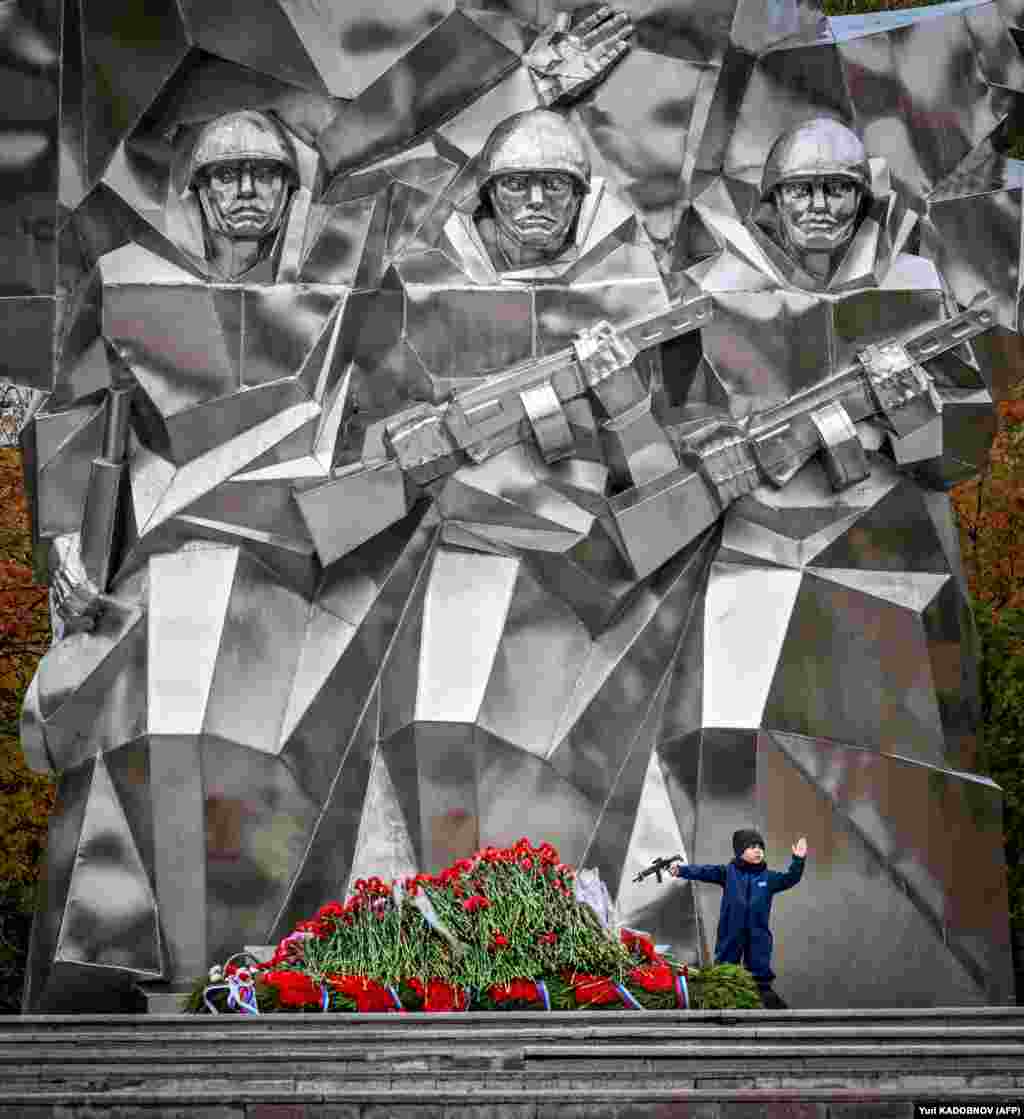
(744, 838)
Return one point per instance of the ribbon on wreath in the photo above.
(239, 984)
(682, 992)
(627, 998)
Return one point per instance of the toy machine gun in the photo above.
(658, 867)
(680, 486)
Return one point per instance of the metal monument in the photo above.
(467, 420)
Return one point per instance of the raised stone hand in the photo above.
(566, 64)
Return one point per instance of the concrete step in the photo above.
(245, 1041)
(439, 1066)
(854, 1018)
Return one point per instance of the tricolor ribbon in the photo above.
(627, 998)
(682, 992)
(543, 991)
(241, 995)
(241, 992)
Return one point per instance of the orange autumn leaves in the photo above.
(26, 797)
(990, 511)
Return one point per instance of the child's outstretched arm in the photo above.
(700, 873)
(790, 877)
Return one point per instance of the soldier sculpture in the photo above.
(479, 429)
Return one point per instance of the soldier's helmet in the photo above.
(537, 140)
(244, 135)
(822, 146)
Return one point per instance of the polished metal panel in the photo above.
(350, 509)
(921, 63)
(467, 602)
(111, 698)
(110, 918)
(333, 645)
(867, 659)
(332, 846)
(383, 845)
(262, 635)
(179, 681)
(273, 45)
(608, 845)
(42, 981)
(659, 829)
(976, 240)
(66, 444)
(746, 616)
(505, 775)
(872, 811)
(538, 661)
(259, 823)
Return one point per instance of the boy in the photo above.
(743, 933)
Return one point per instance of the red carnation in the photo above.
(328, 916)
(368, 995)
(293, 988)
(499, 941)
(442, 996)
(593, 990)
(477, 901)
(320, 929)
(547, 938)
(518, 990)
(637, 943)
(654, 977)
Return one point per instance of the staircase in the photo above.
(613, 1064)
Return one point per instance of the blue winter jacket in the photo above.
(743, 933)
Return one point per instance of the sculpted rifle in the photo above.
(678, 490)
(722, 462)
(427, 441)
(105, 496)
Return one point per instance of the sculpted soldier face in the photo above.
(535, 174)
(243, 171)
(535, 209)
(817, 175)
(818, 214)
(244, 198)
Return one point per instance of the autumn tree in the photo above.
(990, 510)
(26, 797)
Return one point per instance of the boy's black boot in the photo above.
(769, 999)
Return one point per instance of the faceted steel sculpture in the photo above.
(300, 641)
